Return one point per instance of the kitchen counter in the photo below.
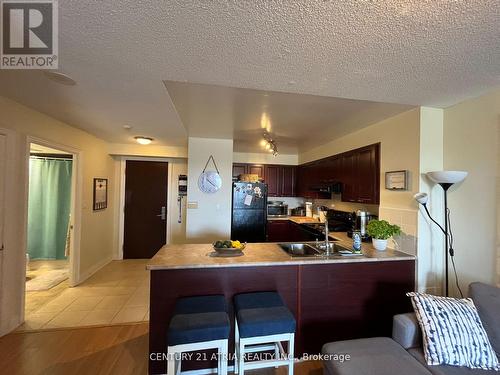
(332, 299)
(295, 219)
(260, 254)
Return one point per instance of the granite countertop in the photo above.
(186, 256)
(295, 219)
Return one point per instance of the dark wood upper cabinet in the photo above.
(361, 175)
(244, 168)
(272, 177)
(368, 176)
(358, 172)
(288, 181)
(257, 169)
(348, 173)
(239, 168)
(281, 180)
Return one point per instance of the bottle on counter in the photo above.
(356, 241)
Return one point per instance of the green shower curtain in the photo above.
(48, 207)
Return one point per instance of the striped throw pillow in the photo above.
(452, 332)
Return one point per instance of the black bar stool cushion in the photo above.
(265, 321)
(192, 328)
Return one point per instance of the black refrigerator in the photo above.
(249, 216)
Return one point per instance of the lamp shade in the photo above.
(421, 198)
(447, 177)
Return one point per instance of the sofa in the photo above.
(403, 353)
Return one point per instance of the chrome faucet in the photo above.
(327, 239)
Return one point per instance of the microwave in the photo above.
(277, 209)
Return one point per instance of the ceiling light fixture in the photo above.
(60, 78)
(270, 144)
(143, 140)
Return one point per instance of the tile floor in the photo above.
(116, 294)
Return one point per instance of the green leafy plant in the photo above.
(382, 230)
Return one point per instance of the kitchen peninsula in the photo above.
(331, 298)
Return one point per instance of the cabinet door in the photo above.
(272, 177)
(257, 169)
(278, 230)
(288, 178)
(302, 181)
(349, 177)
(239, 168)
(367, 181)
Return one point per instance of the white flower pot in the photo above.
(380, 245)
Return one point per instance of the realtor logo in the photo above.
(29, 35)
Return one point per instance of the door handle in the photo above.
(163, 214)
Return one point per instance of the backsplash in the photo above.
(292, 202)
(337, 204)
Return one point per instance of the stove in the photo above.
(338, 221)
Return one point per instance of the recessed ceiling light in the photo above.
(291, 82)
(127, 127)
(143, 140)
(60, 78)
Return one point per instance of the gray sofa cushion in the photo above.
(447, 370)
(487, 301)
(373, 356)
(406, 331)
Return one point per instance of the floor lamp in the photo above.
(445, 179)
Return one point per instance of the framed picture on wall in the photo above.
(100, 193)
(396, 180)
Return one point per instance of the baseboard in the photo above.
(96, 267)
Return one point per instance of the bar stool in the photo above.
(198, 323)
(262, 323)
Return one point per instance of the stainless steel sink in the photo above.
(307, 250)
(300, 250)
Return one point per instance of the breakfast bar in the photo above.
(332, 298)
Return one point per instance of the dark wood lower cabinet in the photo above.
(278, 230)
(336, 301)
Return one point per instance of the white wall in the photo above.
(212, 219)
(471, 144)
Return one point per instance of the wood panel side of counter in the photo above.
(335, 301)
(168, 285)
(346, 301)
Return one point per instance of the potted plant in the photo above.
(380, 231)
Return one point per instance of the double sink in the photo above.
(313, 249)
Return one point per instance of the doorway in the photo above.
(50, 195)
(145, 212)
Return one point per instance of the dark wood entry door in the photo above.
(145, 227)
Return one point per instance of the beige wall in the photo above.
(471, 144)
(96, 238)
(96, 242)
(212, 219)
(399, 139)
(264, 158)
(151, 150)
(430, 247)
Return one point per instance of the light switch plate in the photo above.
(192, 205)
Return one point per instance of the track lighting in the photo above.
(269, 144)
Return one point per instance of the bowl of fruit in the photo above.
(231, 248)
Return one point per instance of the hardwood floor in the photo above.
(113, 350)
